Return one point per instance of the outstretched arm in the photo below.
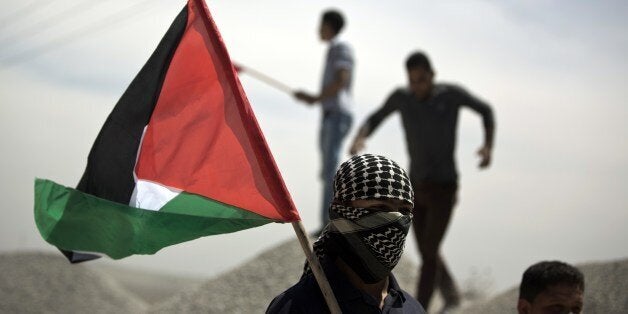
(340, 58)
(486, 150)
(341, 80)
(488, 122)
(359, 142)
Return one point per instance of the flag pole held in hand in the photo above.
(264, 78)
(317, 270)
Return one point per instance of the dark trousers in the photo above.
(433, 207)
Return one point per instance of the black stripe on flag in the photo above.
(109, 171)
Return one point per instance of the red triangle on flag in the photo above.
(203, 137)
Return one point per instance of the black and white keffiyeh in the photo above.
(371, 176)
(371, 241)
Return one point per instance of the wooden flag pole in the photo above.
(319, 274)
(265, 78)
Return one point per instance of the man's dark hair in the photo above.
(542, 275)
(418, 59)
(334, 19)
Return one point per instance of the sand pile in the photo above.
(250, 287)
(46, 283)
(148, 285)
(247, 289)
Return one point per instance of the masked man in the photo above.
(369, 219)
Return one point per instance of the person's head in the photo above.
(373, 181)
(332, 23)
(369, 217)
(420, 74)
(551, 287)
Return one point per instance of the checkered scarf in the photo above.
(369, 240)
(371, 176)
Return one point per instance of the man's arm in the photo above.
(359, 142)
(485, 151)
(341, 61)
(488, 121)
(341, 81)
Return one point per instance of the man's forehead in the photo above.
(563, 292)
(419, 70)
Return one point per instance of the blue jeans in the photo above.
(334, 128)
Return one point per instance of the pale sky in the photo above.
(554, 71)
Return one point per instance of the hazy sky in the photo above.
(554, 71)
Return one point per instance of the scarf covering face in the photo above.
(369, 240)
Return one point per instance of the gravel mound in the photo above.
(47, 283)
(149, 286)
(250, 287)
(606, 291)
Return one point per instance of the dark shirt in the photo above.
(430, 128)
(306, 297)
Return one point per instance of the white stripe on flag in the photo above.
(152, 196)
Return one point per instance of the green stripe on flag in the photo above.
(73, 220)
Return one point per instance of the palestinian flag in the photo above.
(181, 156)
